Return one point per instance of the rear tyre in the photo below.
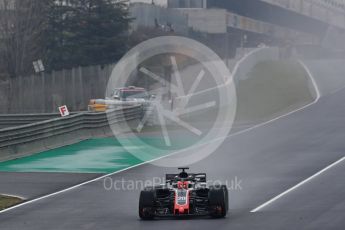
(146, 205)
(218, 201)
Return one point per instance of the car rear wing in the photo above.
(198, 177)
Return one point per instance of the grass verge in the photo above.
(272, 88)
(8, 201)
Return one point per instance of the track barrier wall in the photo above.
(32, 138)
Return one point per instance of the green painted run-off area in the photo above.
(91, 156)
(103, 155)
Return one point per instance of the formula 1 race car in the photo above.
(184, 194)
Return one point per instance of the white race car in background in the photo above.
(121, 97)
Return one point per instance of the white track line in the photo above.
(318, 94)
(73, 187)
(297, 186)
(147, 162)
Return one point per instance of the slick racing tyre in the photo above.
(218, 201)
(146, 205)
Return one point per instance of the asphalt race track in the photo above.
(37, 184)
(267, 161)
(39, 175)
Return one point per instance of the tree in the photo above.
(22, 23)
(86, 32)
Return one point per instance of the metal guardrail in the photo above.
(31, 138)
(10, 120)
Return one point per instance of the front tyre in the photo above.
(146, 205)
(218, 201)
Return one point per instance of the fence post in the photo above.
(75, 91)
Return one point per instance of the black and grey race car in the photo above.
(184, 194)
